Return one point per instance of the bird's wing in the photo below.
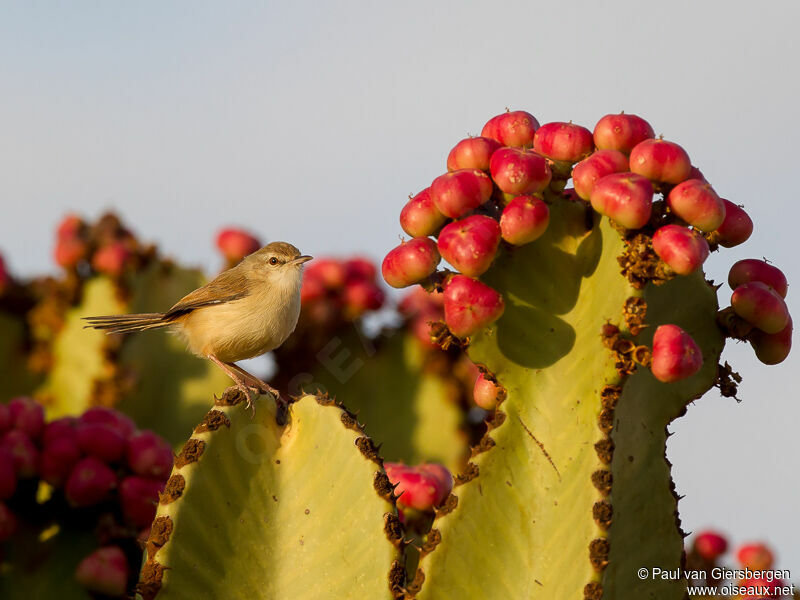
(228, 286)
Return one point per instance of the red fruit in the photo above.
(660, 160)
(422, 487)
(696, 202)
(69, 251)
(563, 141)
(486, 393)
(100, 440)
(772, 348)
(459, 192)
(515, 128)
(8, 474)
(90, 482)
(139, 499)
(5, 418)
(760, 305)
(235, 243)
(108, 416)
(329, 271)
(621, 132)
(63, 427)
(524, 220)
(753, 269)
(5, 278)
(23, 452)
(470, 305)
(69, 227)
(676, 356)
(710, 545)
(442, 475)
(755, 556)
(684, 250)
(736, 228)
(696, 173)
(470, 244)
(759, 588)
(627, 198)
(359, 269)
(472, 153)
(312, 289)
(149, 455)
(422, 307)
(8, 522)
(589, 171)
(362, 296)
(111, 259)
(104, 571)
(518, 172)
(420, 217)
(410, 262)
(27, 415)
(57, 459)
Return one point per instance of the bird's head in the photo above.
(278, 261)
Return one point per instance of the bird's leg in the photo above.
(240, 382)
(254, 381)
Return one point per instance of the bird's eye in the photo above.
(273, 261)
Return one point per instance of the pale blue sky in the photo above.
(311, 122)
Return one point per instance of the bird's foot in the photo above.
(248, 394)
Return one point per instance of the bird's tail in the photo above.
(126, 323)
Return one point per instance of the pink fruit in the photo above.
(111, 259)
(90, 482)
(772, 348)
(684, 250)
(139, 499)
(486, 393)
(470, 244)
(518, 172)
(710, 545)
(676, 356)
(148, 454)
(621, 132)
(627, 198)
(108, 416)
(23, 452)
(100, 440)
(736, 228)
(422, 307)
(755, 556)
(696, 173)
(359, 269)
(362, 296)
(27, 415)
(420, 217)
(442, 475)
(104, 571)
(63, 427)
(470, 305)
(410, 262)
(563, 141)
(329, 271)
(8, 522)
(753, 269)
(524, 220)
(6, 421)
(696, 202)
(472, 153)
(57, 459)
(515, 128)
(590, 170)
(660, 160)
(235, 244)
(459, 192)
(760, 305)
(69, 251)
(422, 487)
(8, 474)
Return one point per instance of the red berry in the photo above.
(57, 459)
(696, 173)
(27, 416)
(563, 141)
(524, 220)
(5, 278)
(108, 416)
(470, 244)
(422, 487)
(660, 160)
(139, 499)
(8, 522)
(772, 348)
(684, 250)
(515, 128)
(359, 269)
(696, 202)
(148, 454)
(443, 477)
(8, 474)
(69, 251)
(753, 269)
(63, 427)
(486, 393)
(111, 259)
(420, 217)
(235, 244)
(104, 571)
(627, 198)
(736, 228)
(6, 421)
(676, 356)
(362, 296)
(470, 305)
(410, 262)
(760, 305)
(621, 132)
(90, 482)
(23, 452)
(422, 307)
(755, 556)
(590, 170)
(472, 153)
(69, 227)
(459, 192)
(100, 440)
(329, 271)
(312, 289)
(518, 172)
(710, 545)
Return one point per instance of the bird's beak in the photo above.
(301, 259)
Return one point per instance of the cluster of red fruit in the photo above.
(107, 246)
(235, 244)
(421, 487)
(99, 458)
(333, 288)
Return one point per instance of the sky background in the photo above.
(312, 122)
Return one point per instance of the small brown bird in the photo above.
(244, 312)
